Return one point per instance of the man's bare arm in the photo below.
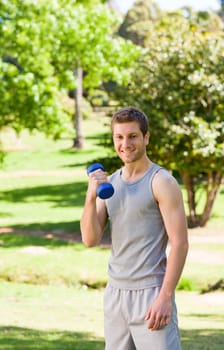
(169, 197)
(94, 216)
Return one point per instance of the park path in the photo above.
(206, 235)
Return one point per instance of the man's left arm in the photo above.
(169, 196)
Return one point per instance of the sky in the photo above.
(174, 4)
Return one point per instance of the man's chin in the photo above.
(127, 160)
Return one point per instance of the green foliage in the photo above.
(138, 21)
(29, 89)
(2, 155)
(98, 98)
(41, 45)
(85, 37)
(185, 284)
(179, 84)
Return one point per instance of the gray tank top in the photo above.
(139, 238)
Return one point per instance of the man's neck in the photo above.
(132, 171)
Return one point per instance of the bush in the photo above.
(185, 284)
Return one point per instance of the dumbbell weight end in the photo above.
(104, 190)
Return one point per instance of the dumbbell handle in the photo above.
(104, 190)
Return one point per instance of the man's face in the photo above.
(129, 142)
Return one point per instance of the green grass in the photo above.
(43, 190)
(217, 216)
(36, 260)
(200, 275)
(46, 203)
(49, 317)
(204, 265)
(43, 187)
(201, 320)
(40, 317)
(20, 338)
(50, 289)
(41, 153)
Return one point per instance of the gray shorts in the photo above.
(125, 326)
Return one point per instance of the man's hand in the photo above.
(96, 178)
(159, 313)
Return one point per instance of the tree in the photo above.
(29, 89)
(180, 84)
(138, 21)
(86, 42)
(44, 49)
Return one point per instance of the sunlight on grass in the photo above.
(52, 308)
(51, 289)
(72, 318)
(36, 260)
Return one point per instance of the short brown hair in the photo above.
(131, 114)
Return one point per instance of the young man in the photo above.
(145, 212)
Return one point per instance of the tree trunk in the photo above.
(79, 139)
(189, 184)
(213, 186)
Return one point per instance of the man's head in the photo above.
(130, 134)
(131, 114)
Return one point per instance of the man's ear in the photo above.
(147, 137)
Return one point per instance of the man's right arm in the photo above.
(94, 217)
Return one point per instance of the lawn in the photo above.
(57, 317)
(50, 261)
(51, 288)
(43, 184)
(50, 317)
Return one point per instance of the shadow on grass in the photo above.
(70, 195)
(202, 339)
(77, 163)
(57, 228)
(62, 195)
(9, 240)
(31, 238)
(17, 338)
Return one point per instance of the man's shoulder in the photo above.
(164, 177)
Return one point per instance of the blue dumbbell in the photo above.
(104, 190)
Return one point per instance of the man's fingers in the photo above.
(148, 315)
(157, 323)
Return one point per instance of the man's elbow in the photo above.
(90, 242)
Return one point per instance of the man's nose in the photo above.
(126, 142)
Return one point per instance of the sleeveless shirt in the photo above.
(138, 235)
